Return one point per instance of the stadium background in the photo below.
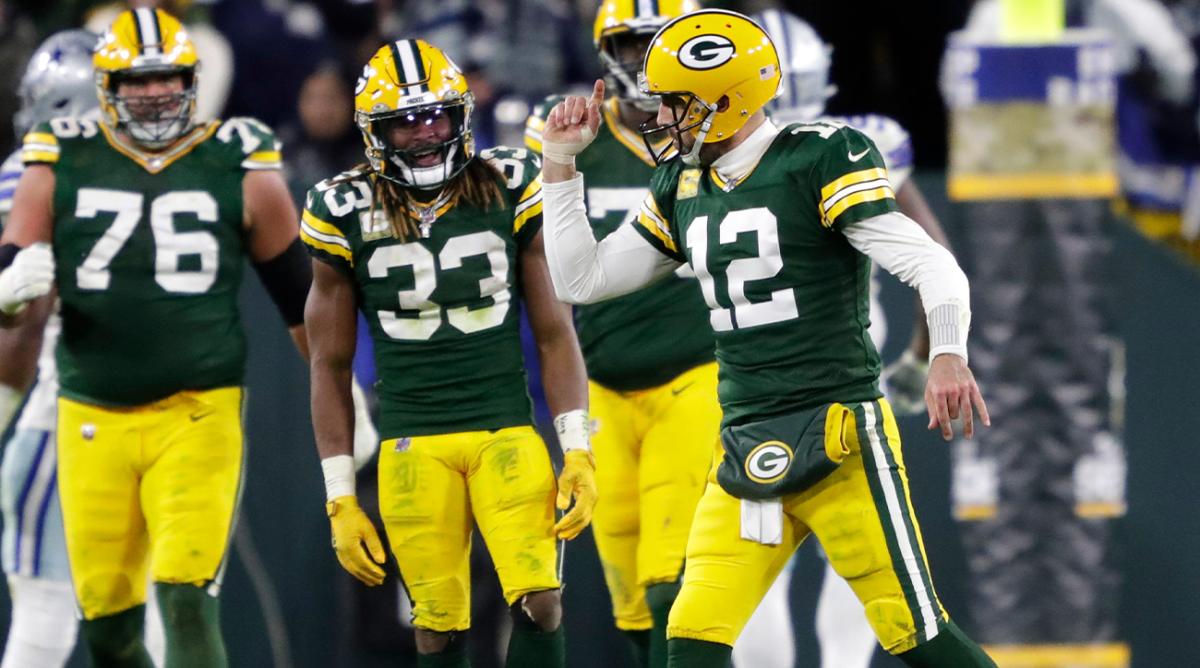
(287, 604)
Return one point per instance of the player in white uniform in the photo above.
(845, 637)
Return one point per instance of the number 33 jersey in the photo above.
(787, 293)
(442, 308)
(149, 250)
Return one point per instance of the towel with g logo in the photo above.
(783, 455)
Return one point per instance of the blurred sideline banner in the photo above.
(1033, 163)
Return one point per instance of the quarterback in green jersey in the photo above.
(652, 387)
(439, 248)
(780, 227)
(142, 222)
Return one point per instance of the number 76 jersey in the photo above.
(787, 293)
(442, 308)
(149, 249)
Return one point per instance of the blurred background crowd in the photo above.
(293, 63)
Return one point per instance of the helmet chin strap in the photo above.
(692, 157)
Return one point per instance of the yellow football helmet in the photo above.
(702, 58)
(406, 86)
(140, 43)
(623, 26)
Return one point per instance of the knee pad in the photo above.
(538, 612)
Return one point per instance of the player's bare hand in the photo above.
(571, 125)
(355, 540)
(952, 394)
(578, 479)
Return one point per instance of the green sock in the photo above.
(659, 598)
(531, 647)
(453, 656)
(689, 653)
(639, 644)
(115, 641)
(191, 625)
(951, 648)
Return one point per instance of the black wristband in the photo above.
(287, 277)
(8, 252)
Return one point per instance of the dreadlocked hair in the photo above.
(479, 185)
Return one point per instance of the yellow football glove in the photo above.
(352, 530)
(578, 479)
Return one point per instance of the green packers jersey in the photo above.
(787, 293)
(442, 309)
(646, 338)
(149, 250)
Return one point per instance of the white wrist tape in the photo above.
(948, 326)
(574, 430)
(564, 152)
(339, 476)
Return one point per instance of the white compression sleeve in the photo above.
(584, 270)
(899, 245)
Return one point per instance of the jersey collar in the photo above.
(155, 162)
(736, 166)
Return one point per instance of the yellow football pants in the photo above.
(653, 450)
(864, 519)
(430, 490)
(153, 485)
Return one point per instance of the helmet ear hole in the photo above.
(723, 104)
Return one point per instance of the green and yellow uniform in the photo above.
(454, 410)
(788, 299)
(652, 387)
(149, 251)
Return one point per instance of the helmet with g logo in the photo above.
(410, 81)
(620, 21)
(703, 58)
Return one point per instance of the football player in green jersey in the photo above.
(780, 226)
(142, 222)
(436, 246)
(652, 376)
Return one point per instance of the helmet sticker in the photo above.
(705, 52)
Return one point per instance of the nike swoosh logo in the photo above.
(199, 415)
(855, 157)
(676, 391)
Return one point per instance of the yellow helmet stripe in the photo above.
(410, 69)
(149, 33)
(647, 9)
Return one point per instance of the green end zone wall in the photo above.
(313, 619)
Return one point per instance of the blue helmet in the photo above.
(804, 60)
(58, 80)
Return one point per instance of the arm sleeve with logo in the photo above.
(654, 218)
(850, 179)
